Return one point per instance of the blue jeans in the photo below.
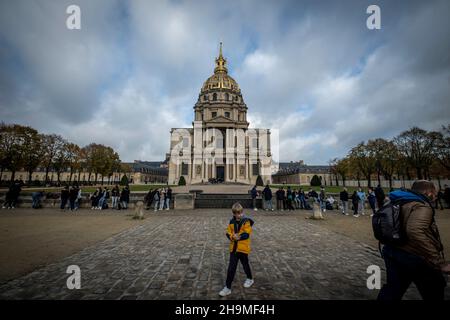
(403, 268)
(269, 204)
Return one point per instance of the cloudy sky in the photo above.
(310, 69)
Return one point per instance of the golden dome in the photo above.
(220, 79)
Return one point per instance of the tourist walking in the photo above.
(238, 232)
(419, 259)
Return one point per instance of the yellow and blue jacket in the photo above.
(243, 228)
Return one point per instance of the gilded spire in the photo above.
(220, 62)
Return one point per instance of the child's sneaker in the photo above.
(225, 291)
(248, 283)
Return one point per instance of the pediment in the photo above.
(220, 119)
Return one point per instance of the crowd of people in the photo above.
(160, 199)
(292, 199)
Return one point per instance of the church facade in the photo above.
(220, 145)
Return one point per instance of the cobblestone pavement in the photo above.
(184, 255)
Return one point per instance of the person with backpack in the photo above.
(412, 251)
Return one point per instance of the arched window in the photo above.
(214, 96)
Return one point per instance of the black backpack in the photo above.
(387, 224)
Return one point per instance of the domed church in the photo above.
(220, 147)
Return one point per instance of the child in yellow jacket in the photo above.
(238, 232)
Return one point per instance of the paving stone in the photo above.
(164, 259)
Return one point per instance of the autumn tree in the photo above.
(417, 146)
(52, 143)
(363, 157)
(32, 150)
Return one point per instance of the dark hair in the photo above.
(423, 186)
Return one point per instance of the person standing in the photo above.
(267, 193)
(380, 196)
(322, 199)
(289, 198)
(362, 201)
(343, 197)
(447, 195)
(254, 194)
(115, 195)
(79, 199)
(125, 197)
(64, 197)
(280, 199)
(420, 258)
(302, 199)
(238, 232)
(372, 200)
(156, 198)
(73, 194)
(168, 198)
(355, 203)
(162, 198)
